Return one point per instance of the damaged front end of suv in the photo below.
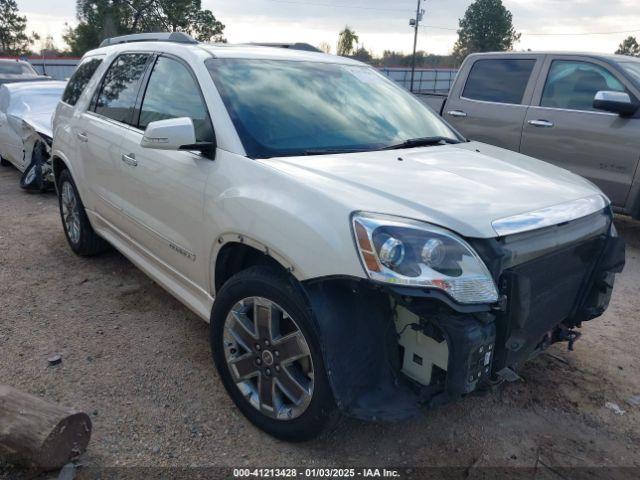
(442, 316)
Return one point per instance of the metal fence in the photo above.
(426, 80)
(58, 68)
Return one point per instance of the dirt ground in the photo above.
(139, 363)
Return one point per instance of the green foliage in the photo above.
(13, 37)
(423, 60)
(629, 47)
(347, 42)
(100, 19)
(487, 26)
(363, 55)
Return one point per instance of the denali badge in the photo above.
(182, 251)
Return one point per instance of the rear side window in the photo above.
(499, 81)
(80, 79)
(573, 85)
(117, 97)
(172, 92)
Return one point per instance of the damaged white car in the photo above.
(26, 109)
(352, 251)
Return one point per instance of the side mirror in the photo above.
(174, 134)
(171, 134)
(615, 102)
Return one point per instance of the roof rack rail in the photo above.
(292, 46)
(177, 37)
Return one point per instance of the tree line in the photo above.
(100, 19)
(487, 25)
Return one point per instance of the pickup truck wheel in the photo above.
(268, 355)
(82, 239)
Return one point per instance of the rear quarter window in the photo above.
(80, 79)
(499, 80)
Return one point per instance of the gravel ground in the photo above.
(139, 364)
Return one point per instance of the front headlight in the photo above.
(407, 252)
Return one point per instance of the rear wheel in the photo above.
(268, 355)
(81, 237)
(4, 163)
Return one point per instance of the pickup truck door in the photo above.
(563, 128)
(167, 186)
(489, 99)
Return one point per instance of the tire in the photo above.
(81, 237)
(31, 179)
(4, 163)
(234, 326)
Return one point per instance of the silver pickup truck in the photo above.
(577, 111)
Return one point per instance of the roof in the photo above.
(222, 50)
(603, 56)
(293, 46)
(225, 50)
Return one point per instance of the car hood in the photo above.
(41, 122)
(464, 187)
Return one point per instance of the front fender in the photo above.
(359, 343)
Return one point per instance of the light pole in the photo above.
(416, 24)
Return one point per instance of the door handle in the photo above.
(541, 123)
(130, 159)
(83, 137)
(457, 113)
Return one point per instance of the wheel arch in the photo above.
(58, 163)
(233, 252)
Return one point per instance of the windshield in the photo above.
(284, 108)
(633, 69)
(16, 68)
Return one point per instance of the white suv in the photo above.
(352, 251)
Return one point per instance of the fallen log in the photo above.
(38, 434)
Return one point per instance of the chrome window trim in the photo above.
(572, 110)
(549, 216)
(521, 104)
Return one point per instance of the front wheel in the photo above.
(32, 179)
(268, 355)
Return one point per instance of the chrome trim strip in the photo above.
(172, 245)
(547, 217)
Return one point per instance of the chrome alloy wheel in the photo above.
(269, 358)
(70, 212)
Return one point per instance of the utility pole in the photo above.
(416, 24)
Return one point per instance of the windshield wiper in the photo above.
(329, 151)
(422, 142)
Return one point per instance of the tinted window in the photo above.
(298, 107)
(573, 85)
(633, 69)
(119, 91)
(173, 93)
(500, 81)
(80, 79)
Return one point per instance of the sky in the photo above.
(583, 25)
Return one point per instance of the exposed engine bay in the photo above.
(411, 348)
